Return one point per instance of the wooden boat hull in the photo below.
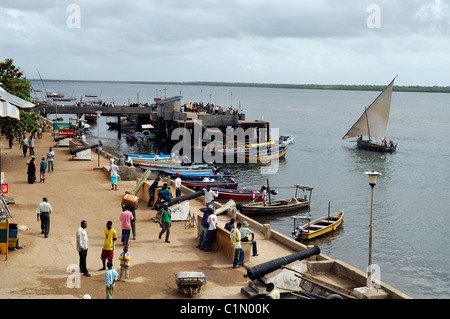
(200, 184)
(270, 155)
(193, 175)
(176, 168)
(374, 147)
(238, 194)
(321, 226)
(275, 207)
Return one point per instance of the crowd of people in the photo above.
(157, 194)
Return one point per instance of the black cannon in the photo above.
(59, 138)
(179, 199)
(263, 269)
(79, 149)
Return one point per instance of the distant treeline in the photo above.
(413, 88)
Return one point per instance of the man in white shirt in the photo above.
(211, 233)
(82, 247)
(177, 185)
(43, 214)
(209, 197)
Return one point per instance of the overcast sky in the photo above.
(262, 41)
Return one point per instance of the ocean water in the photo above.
(411, 198)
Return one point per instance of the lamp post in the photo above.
(372, 182)
(98, 136)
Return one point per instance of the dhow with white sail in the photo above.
(373, 124)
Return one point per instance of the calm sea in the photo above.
(411, 203)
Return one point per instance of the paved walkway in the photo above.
(76, 191)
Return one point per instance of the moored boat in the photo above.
(238, 194)
(222, 183)
(286, 140)
(278, 206)
(176, 168)
(198, 175)
(317, 228)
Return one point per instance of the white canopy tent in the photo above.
(10, 105)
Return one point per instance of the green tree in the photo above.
(13, 80)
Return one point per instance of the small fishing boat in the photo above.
(278, 206)
(176, 168)
(264, 156)
(195, 175)
(221, 182)
(238, 194)
(154, 159)
(286, 140)
(91, 117)
(319, 227)
(149, 131)
(373, 123)
(148, 156)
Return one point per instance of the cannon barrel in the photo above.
(263, 269)
(59, 138)
(79, 149)
(179, 199)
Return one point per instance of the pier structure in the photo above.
(168, 115)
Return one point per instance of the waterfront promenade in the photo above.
(76, 191)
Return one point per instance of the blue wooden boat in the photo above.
(196, 175)
(176, 168)
(148, 156)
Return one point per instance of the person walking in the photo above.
(31, 145)
(82, 247)
(24, 146)
(209, 196)
(236, 242)
(125, 218)
(177, 185)
(110, 280)
(43, 215)
(42, 170)
(204, 225)
(50, 157)
(152, 190)
(31, 171)
(245, 232)
(108, 244)
(208, 241)
(124, 259)
(113, 169)
(165, 222)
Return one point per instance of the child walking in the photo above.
(124, 259)
(110, 280)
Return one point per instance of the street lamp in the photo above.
(372, 182)
(98, 136)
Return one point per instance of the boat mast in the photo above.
(367, 122)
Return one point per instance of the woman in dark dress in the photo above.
(31, 172)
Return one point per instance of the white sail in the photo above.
(373, 122)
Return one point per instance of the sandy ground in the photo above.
(76, 191)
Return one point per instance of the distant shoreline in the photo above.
(414, 88)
